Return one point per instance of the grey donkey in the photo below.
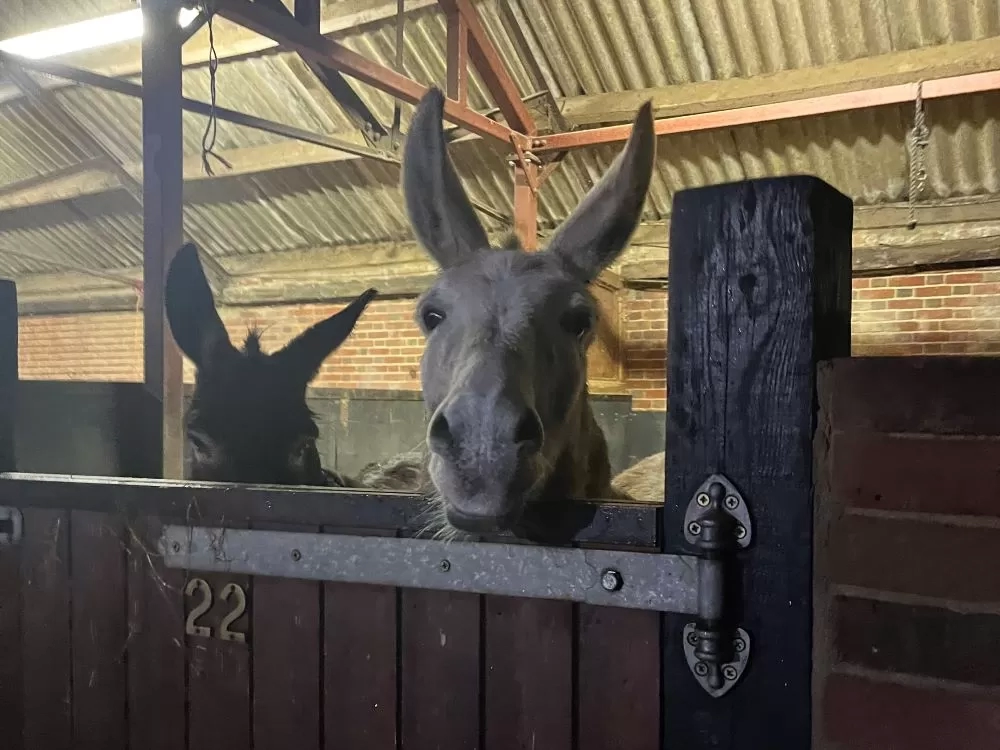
(504, 371)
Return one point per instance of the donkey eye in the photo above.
(431, 318)
(578, 322)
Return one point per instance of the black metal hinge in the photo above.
(717, 524)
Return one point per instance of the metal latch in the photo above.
(716, 523)
(11, 526)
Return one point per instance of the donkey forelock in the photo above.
(248, 420)
(504, 368)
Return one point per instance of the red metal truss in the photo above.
(971, 83)
(313, 46)
(486, 59)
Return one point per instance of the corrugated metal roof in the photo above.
(19, 17)
(571, 47)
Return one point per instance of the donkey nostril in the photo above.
(440, 431)
(529, 430)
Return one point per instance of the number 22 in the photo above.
(229, 591)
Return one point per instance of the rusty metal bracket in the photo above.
(717, 524)
(523, 157)
(11, 526)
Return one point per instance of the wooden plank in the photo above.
(937, 395)
(99, 603)
(360, 666)
(759, 296)
(919, 640)
(46, 636)
(529, 674)
(219, 713)
(917, 473)
(11, 703)
(287, 657)
(920, 557)
(441, 677)
(865, 715)
(157, 673)
(618, 689)
(632, 525)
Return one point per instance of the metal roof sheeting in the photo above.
(572, 47)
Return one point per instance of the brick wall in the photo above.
(949, 313)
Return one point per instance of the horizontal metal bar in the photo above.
(134, 90)
(313, 46)
(972, 83)
(635, 580)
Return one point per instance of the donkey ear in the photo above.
(600, 227)
(304, 354)
(191, 313)
(442, 217)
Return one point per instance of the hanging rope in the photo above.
(917, 140)
(397, 108)
(212, 127)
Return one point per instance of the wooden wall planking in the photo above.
(99, 605)
(46, 637)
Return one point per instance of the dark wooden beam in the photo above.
(307, 13)
(162, 219)
(761, 294)
(127, 88)
(12, 664)
(490, 66)
(8, 374)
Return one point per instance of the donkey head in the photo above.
(504, 369)
(248, 420)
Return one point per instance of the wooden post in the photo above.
(8, 373)
(11, 664)
(526, 205)
(760, 292)
(162, 219)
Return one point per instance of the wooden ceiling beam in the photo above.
(894, 68)
(945, 241)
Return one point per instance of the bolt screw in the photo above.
(176, 546)
(739, 645)
(692, 638)
(445, 566)
(702, 499)
(694, 528)
(611, 580)
(732, 502)
(296, 555)
(729, 672)
(700, 668)
(741, 532)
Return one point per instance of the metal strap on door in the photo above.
(717, 525)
